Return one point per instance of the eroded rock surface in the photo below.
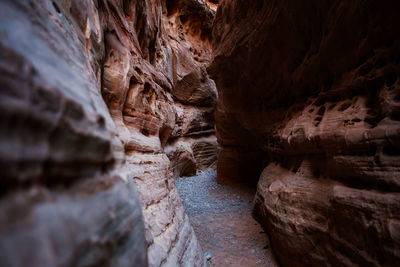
(89, 100)
(149, 55)
(192, 145)
(309, 92)
(64, 201)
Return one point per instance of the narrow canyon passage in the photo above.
(106, 104)
(221, 218)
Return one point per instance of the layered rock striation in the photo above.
(64, 201)
(192, 144)
(92, 93)
(154, 75)
(309, 96)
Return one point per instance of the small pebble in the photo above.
(262, 232)
(207, 255)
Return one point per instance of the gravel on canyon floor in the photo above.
(221, 218)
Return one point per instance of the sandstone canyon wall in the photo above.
(62, 203)
(309, 93)
(92, 94)
(192, 144)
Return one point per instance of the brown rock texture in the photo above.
(309, 92)
(192, 145)
(64, 200)
(92, 92)
(152, 57)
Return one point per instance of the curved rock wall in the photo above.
(192, 145)
(309, 92)
(92, 93)
(142, 87)
(63, 200)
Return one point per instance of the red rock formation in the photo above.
(309, 90)
(194, 93)
(89, 101)
(63, 200)
(150, 49)
(154, 58)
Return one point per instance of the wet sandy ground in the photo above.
(221, 218)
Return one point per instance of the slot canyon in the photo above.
(199, 133)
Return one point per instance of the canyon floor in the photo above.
(221, 218)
